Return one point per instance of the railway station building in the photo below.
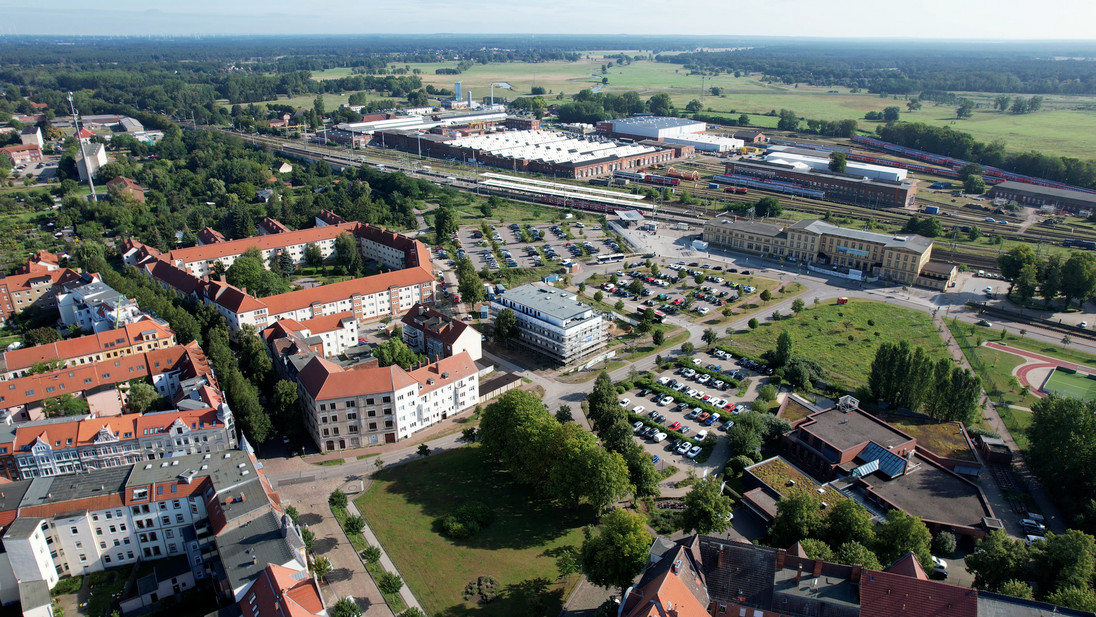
(902, 258)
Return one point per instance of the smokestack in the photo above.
(456, 91)
(817, 567)
(469, 98)
(798, 574)
(781, 555)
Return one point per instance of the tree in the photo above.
(767, 393)
(371, 554)
(564, 415)
(41, 336)
(789, 121)
(856, 554)
(1026, 283)
(974, 185)
(902, 533)
(965, 109)
(838, 162)
(347, 254)
(913, 105)
(1012, 262)
(694, 106)
(1017, 589)
(848, 521)
(1064, 560)
(313, 256)
(709, 336)
(284, 401)
(389, 583)
(1080, 598)
(688, 348)
(707, 509)
(1001, 102)
(293, 514)
(506, 325)
(974, 233)
(641, 470)
(1061, 429)
(585, 471)
(64, 405)
(753, 323)
(354, 524)
(817, 549)
(891, 114)
(1078, 277)
(445, 224)
(766, 295)
(519, 432)
(798, 305)
(1050, 279)
(337, 499)
(317, 105)
(423, 450)
(321, 567)
(346, 607)
(768, 206)
(798, 516)
(617, 552)
(944, 544)
(658, 337)
(394, 352)
(469, 284)
(661, 105)
(783, 351)
(142, 397)
(602, 401)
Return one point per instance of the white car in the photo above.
(638, 409)
(659, 437)
(666, 400)
(638, 426)
(703, 310)
(692, 393)
(624, 402)
(704, 378)
(663, 380)
(702, 434)
(693, 452)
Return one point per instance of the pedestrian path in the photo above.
(386, 562)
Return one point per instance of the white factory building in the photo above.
(657, 127)
(420, 123)
(822, 163)
(547, 146)
(703, 142)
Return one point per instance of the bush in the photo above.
(943, 545)
(739, 463)
(354, 524)
(337, 499)
(466, 521)
(371, 554)
(482, 590)
(753, 323)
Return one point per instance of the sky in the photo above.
(932, 19)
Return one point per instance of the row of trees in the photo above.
(1073, 278)
(908, 377)
(1059, 569)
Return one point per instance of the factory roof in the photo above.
(549, 146)
(661, 122)
(548, 300)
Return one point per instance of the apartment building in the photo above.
(327, 336)
(95, 306)
(216, 511)
(902, 258)
(140, 336)
(435, 334)
(552, 322)
(350, 407)
(36, 288)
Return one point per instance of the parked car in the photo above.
(666, 400)
(702, 434)
(693, 452)
(638, 426)
(624, 402)
(683, 447)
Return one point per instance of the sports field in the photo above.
(1068, 383)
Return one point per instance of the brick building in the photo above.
(840, 188)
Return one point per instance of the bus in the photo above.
(610, 258)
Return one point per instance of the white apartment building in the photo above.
(553, 322)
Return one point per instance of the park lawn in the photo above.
(942, 439)
(404, 502)
(822, 333)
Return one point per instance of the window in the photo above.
(178, 518)
(74, 530)
(106, 558)
(113, 529)
(83, 558)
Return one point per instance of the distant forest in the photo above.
(1069, 68)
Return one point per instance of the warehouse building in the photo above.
(1034, 195)
(707, 143)
(902, 258)
(653, 127)
(841, 188)
(553, 322)
(820, 163)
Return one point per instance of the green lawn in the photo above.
(1072, 384)
(822, 333)
(516, 549)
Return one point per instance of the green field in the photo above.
(843, 338)
(1067, 383)
(516, 549)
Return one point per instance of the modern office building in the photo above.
(552, 322)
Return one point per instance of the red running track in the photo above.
(1042, 362)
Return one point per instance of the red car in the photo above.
(674, 426)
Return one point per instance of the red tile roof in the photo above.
(20, 148)
(21, 282)
(272, 226)
(237, 247)
(234, 298)
(144, 330)
(86, 134)
(179, 280)
(908, 565)
(325, 380)
(325, 294)
(668, 588)
(439, 325)
(283, 592)
(125, 183)
(444, 371)
(210, 236)
(885, 594)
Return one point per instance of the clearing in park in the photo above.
(1067, 382)
(518, 548)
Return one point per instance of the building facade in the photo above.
(437, 335)
(140, 336)
(1034, 195)
(901, 258)
(840, 188)
(553, 323)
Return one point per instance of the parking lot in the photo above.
(531, 245)
(684, 414)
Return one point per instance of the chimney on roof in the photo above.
(855, 575)
(719, 558)
(677, 566)
(799, 574)
(818, 566)
(781, 555)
